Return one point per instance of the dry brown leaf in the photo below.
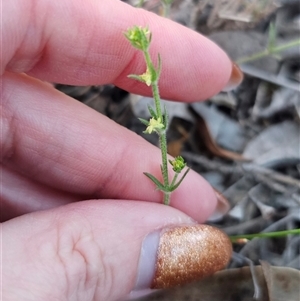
(203, 134)
(175, 146)
(281, 283)
(276, 146)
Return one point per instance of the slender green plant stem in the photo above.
(285, 46)
(162, 143)
(268, 52)
(166, 10)
(162, 135)
(154, 87)
(174, 179)
(234, 238)
(163, 146)
(141, 3)
(156, 97)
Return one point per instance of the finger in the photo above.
(15, 188)
(63, 144)
(103, 250)
(82, 42)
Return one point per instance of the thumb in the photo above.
(106, 250)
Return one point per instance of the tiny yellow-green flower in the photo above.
(146, 77)
(154, 125)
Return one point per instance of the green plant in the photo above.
(271, 48)
(166, 4)
(140, 38)
(166, 7)
(140, 3)
(237, 238)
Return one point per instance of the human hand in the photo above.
(57, 152)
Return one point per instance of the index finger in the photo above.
(60, 143)
(81, 43)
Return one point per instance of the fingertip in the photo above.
(179, 254)
(94, 244)
(195, 197)
(80, 43)
(236, 77)
(193, 67)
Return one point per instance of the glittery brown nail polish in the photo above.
(189, 253)
(236, 77)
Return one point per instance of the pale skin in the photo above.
(75, 202)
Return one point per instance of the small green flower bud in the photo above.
(138, 37)
(178, 164)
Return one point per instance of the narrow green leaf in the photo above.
(158, 71)
(136, 77)
(161, 169)
(158, 184)
(272, 36)
(144, 121)
(154, 75)
(165, 117)
(150, 38)
(152, 112)
(179, 182)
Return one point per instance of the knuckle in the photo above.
(87, 274)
